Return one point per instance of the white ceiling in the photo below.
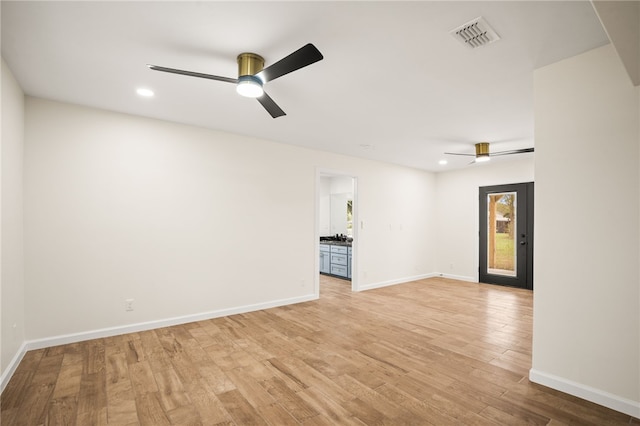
(394, 85)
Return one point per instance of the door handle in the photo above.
(522, 243)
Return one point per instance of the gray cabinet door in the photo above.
(325, 262)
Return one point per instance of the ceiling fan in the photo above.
(252, 75)
(483, 154)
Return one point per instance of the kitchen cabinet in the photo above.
(335, 260)
(325, 259)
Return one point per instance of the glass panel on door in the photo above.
(501, 234)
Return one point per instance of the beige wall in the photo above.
(587, 284)
(189, 221)
(12, 277)
(457, 212)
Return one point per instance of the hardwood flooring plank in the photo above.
(62, 411)
(365, 413)
(38, 393)
(250, 388)
(16, 390)
(207, 404)
(289, 399)
(122, 411)
(142, 378)
(170, 390)
(68, 380)
(92, 399)
(186, 370)
(429, 414)
(94, 359)
(134, 351)
(121, 406)
(240, 409)
(507, 418)
(150, 412)
(275, 415)
(185, 415)
(371, 397)
(329, 405)
(216, 379)
(309, 377)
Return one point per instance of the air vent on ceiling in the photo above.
(475, 33)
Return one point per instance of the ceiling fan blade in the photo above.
(457, 153)
(306, 55)
(270, 105)
(514, 151)
(193, 74)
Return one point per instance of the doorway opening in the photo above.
(336, 214)
(506, 235)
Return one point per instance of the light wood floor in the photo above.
(429, 352)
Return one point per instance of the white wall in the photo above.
(341, 185)
(12, 277)
(189, 221)
(457, 212)
(324, 206)
(587, 286)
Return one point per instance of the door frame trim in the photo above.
(324, 172)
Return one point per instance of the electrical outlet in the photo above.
(128, 305)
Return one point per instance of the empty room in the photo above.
(429, 214)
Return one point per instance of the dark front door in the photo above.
(506, 235)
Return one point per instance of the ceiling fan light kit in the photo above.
(252, 75)
(249, 86)
(482, 152)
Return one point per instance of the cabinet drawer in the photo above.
(338, 259)
(339, 249)
(325, 247)
(339, 270)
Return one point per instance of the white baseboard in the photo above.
(459, 278)
(13, 365)
(397, 281)
(150, 325)
(597, 396)
(133, 328)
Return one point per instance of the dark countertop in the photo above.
(337, 243)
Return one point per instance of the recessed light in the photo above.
(147, 93)
(366, 146)
(442, 162)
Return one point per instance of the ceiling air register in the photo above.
(475, 33)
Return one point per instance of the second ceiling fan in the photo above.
(252, 75)
(483, 154)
